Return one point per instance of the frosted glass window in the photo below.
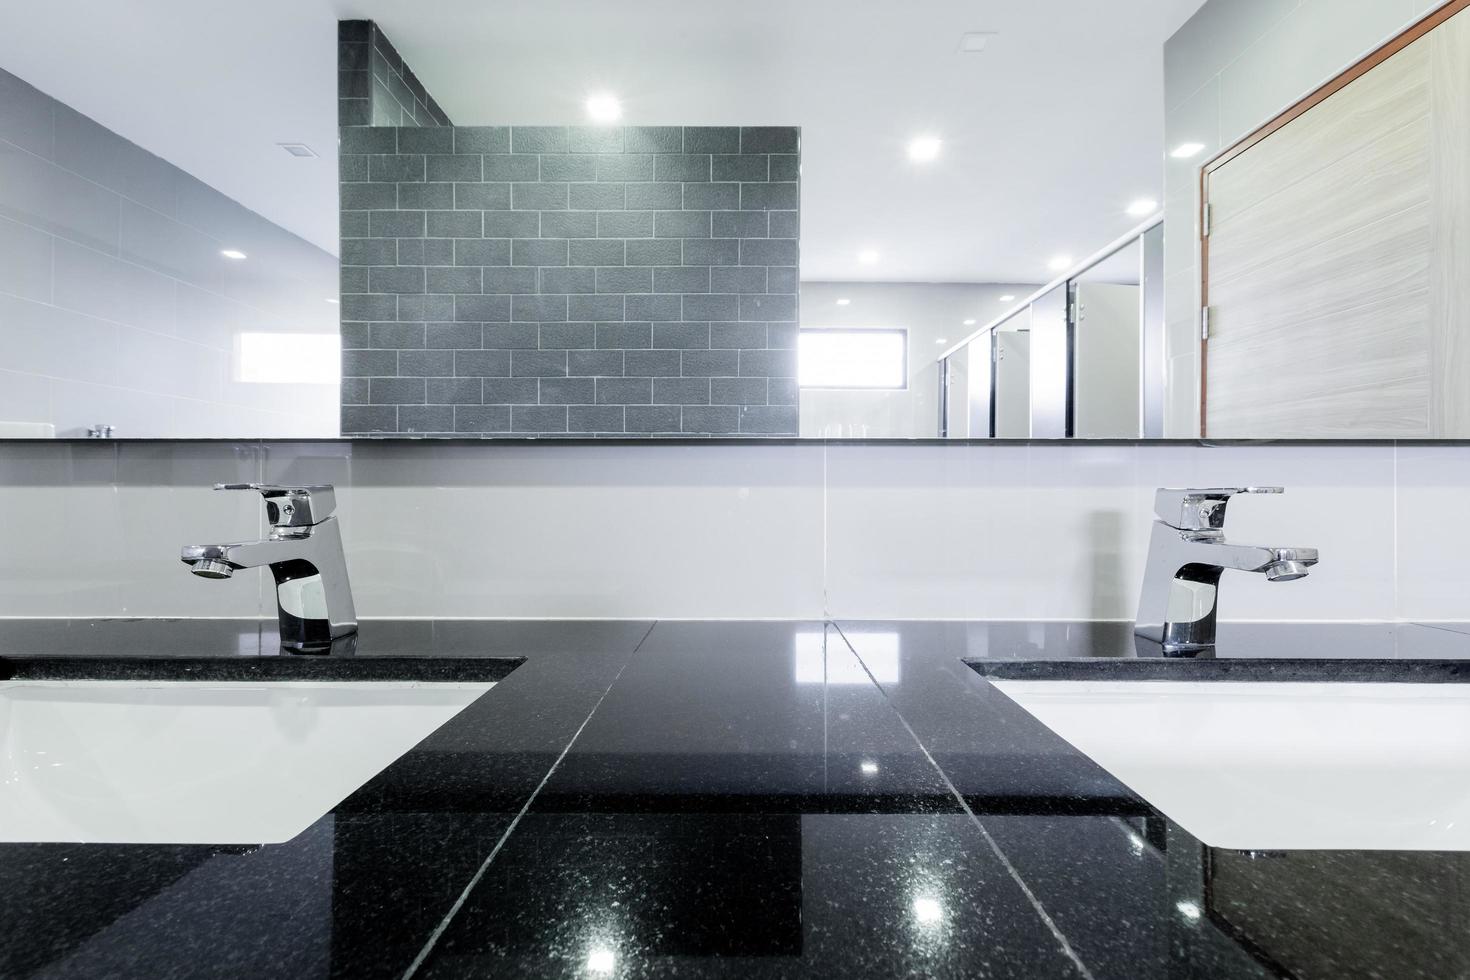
(288, 358)
(853, 358)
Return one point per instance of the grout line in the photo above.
(995, 848)
(440, 929)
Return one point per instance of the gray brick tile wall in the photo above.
(569, 280)
(375, 87)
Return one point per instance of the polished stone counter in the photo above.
(726, 799)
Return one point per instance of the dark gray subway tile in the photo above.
(512, 336)
(596, 197)
(595, 418)
(681, 391)
(782, 391)
(481, 139)
(711, 139)
(369, 418)
(538, 251)
(538, 139)
(625, 224)
(768, 419)
(512, 391)
(596, 363)
(353, 167)
(355, 391)
(711, 364)
(712, 252)
(482, 364)
(425, 196)
(350, 279)
(425, 364)
(361, 306)
(768, 251)
(740, 224)
(538, 309)
(681, 335)
(395, 336)
(353, 224)
(397, 224)
(624, 391)
(653, 139)
(738, 391)
(538, 364)
(480, 197)
(538, 418)
(571, 281)
(710, 197)
(652, 418)
(676, 167)
(624, 336)
(564, 336)
(568, 391)
(396, 391)
(712, 307)
(712, 420)
(481, 251)
(425, 307)
(481, 419)
(653, 251)
(453, 279)
(425, 251)
(367, 139)
(454, 391)
(652, 364)
(369, 197)
(507, 279)
(624, 279)
(427, 139)
(511, 168)
(783, 280)
(681, 224)
(652, 306)
(625, 167)
(739, 279)
(596, 251)
(769, 139)
(785, 166)
(452, 335)
(512, 224)
(426, 418)
(454, 224)
(568, 167)
(767, 307)
(397, 167)
(682, 279)
(768, 363)
(785, 224)
(369, 251)
(752, 167)
(369, 363)
(595, 308)
(538, 197)
(654, 197)
(595, 139)
(355, 336)
(568, 224)
(485, 309)
(770, 197)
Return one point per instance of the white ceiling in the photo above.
(1048, 134)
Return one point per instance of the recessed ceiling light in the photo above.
(1008, 298)
(232, 253)
(969, 323)
(297, 149)
(924, 149)
(604, 107)
(1186, 150)
(333, 300)
(942, 340)
(1142, 208)
(868, 256)
(974, 42)
(844, 301)
(1059, 263)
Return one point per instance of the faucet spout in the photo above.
(1178, 605)
(305, 556)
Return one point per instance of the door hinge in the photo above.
(1204, 323)
(1205, 220)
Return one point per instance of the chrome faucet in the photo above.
(304, 552)
(1187, 554)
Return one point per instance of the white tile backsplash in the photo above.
(863, 531)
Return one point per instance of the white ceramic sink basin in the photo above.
(1278, 766)
(196, 762)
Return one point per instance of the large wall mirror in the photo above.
(1033, 220)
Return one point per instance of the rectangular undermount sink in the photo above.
(196, 762)
(1278, 766)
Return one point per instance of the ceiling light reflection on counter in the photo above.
(601, 960)
(928, 910)
(868, 767)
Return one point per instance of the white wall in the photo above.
(929, 311)
(1233, 66)
(921, 531)
(116, 306)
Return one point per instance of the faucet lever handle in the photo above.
(1199, 510)
(291, 506)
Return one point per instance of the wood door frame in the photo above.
(1322, 93)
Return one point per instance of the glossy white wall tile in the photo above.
(919, 531)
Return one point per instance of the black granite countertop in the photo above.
(722, 799)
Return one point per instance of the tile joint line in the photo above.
(995, 848)
(443, 926)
